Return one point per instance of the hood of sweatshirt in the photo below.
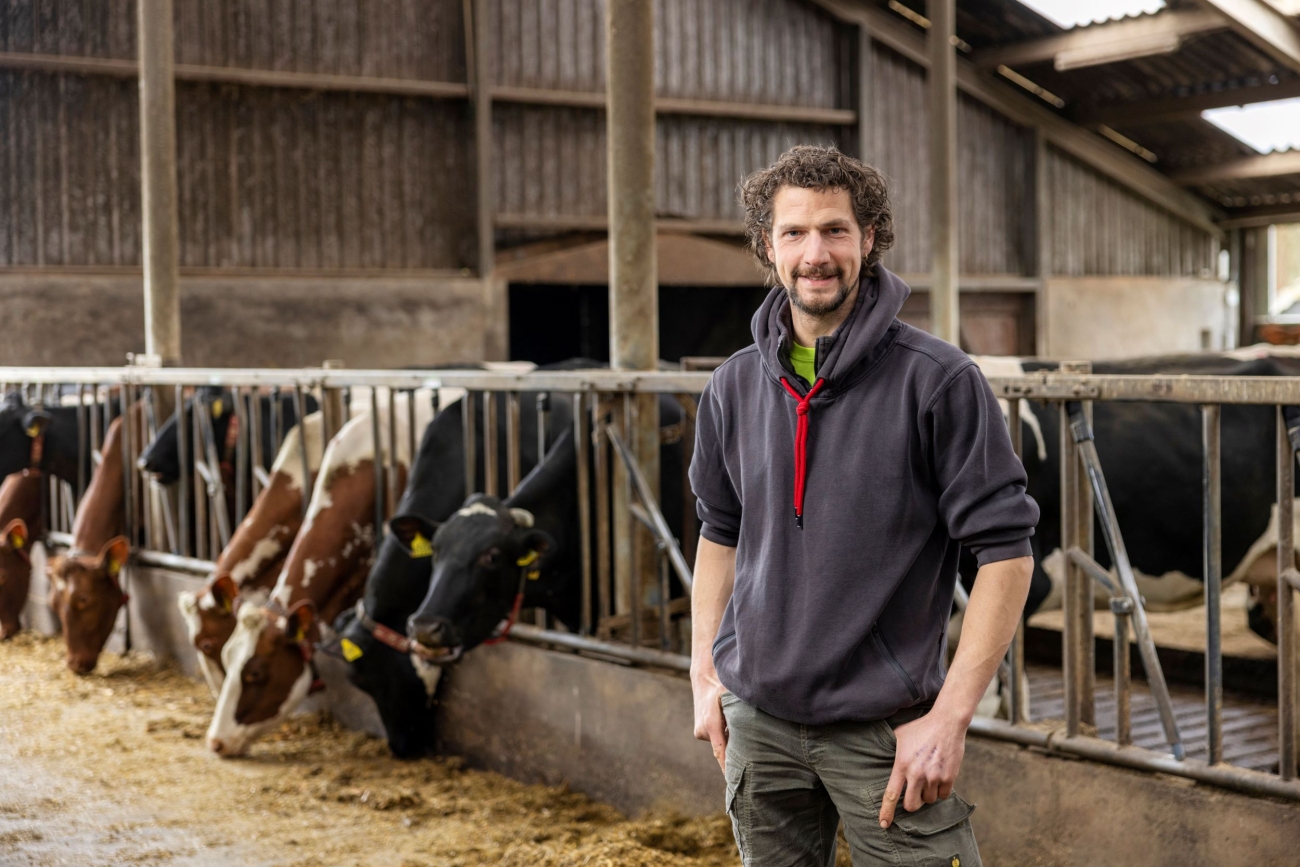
(847, 354)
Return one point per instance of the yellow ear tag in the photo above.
(34, 431)
(17, 541)
(421, 547)
(350, 651)
(216, 408)
(527, 560)
(956, 862)
(114, 567)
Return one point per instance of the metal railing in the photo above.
(634, 613)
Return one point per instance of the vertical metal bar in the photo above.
(277, 420)
(604, 580)
(434, 401)
(128, 483)
(186, 474)
(1213, 574)
(627, 526)
(468, 425)
(83, 439)
(582, 445)
(512, 441)
(256, 457)
(1286, 687)
(390, 464)
(202, 526)
(544, 421)
(96, 426)
(243, 467)
(490, 481)
(1017, 701)
(412, 432)
(665, 626)
(1122, 607)
(308, 482)
(377, 463)
(145, 490)
(1071, 651)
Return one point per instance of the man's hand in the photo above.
(926, 763)
(710, 725)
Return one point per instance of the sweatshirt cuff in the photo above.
(1003, 551)
(719, 536)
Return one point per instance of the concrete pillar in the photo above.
(633, 286)
(162, 310)
(944, 307)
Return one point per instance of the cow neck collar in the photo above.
(305, 647)
(391, 637)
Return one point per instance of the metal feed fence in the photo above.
(627, 542)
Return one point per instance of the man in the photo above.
(819, 642)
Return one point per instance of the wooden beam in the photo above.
(1149, 111)
(1262, 24)
(945, 312)
(1262, 166)
(1133, 35)
(1267, 215)
(600, 223)
(595, 99)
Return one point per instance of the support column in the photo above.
(1042, 244)
(477, 58)
(944, 303)
(162, 309)
(633, 284)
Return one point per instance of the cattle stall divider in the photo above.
(639, 622)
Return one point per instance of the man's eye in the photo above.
(790, 233)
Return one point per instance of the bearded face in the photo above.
(817, 247)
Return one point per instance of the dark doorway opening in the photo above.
(552, 323)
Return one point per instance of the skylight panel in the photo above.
(1265, 126)
(1075, 13)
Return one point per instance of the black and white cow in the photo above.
(55, 426)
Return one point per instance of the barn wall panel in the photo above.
(900, 129)
(103, 28)
(1100, 228)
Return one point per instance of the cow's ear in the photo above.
(35, 422)
(299, 620)
(224, 591)
(112, 557)
(414, 533)
(536, 544)
(15, 534)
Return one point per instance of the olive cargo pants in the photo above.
(788, 785)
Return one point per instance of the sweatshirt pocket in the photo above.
(722, 641)
(887, 652)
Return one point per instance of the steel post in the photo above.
(491, 485)
(162, 311)
(1072, 651)
(1286, 639)
(582, 445)
(1122, 607)
(186, 475)
(1211, 488)
(308, 482)
(1018, 701)
(377, 463)
(944, 306)
(470, 442)
(513, 443)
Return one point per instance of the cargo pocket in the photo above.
(939, 833)
(738, 809)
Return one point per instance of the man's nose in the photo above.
(814, 251)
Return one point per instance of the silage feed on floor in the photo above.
(112, 769)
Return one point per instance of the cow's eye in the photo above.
(253, 673)
(490, 559)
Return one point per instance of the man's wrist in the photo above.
(947, 709)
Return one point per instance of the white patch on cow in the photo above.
(288, 460)
(234, 736)
(998, 365)
(282, 592)
(190, 603)
(266, 550)
(207, 602)
(1171, 591)
(428, 673)
(309, 569)
(478, 509)
(522, 517)
(1259, 566)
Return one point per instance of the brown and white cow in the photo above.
(268, 658)
(256, 552)
(85, 583)
(20, 524)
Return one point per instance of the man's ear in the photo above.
(414, 534)
(224, 591)
(868, 241)
(15, 535)
(112, 557)
(767, 247)
(299, 620)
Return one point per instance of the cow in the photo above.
(268, 659)
(20, 525)
(85, 582)
(256, 552)
(43, 438)
(372, 636)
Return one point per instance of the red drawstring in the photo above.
(503, 631)
(801, 444)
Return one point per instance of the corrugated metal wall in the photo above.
(1099, 228)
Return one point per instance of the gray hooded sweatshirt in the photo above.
(847, 510)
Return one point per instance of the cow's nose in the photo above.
(432, 631)
(81, 666)
(217, 745)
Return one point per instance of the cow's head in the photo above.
(268, 674)
(162, 458)
(483, 555)
(19, 426)
(209, 616)
(15, 575)
(86, 593)
(401, 685)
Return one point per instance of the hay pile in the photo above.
(111, 769)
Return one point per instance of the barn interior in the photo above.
(355, 202)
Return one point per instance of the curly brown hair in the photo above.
(814, 167)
